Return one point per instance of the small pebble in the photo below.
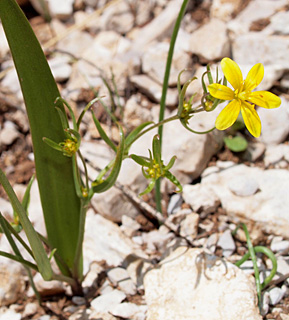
(226, 242)
(275, 294)
(279, 245)
(79, 301)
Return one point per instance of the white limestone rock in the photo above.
(107, 301)
(104, 240)
(153, 89)
(255, 47)
(227, 243)
(267, 207)
(193, 151)
(201, 199)
(192, 284)
(60, 68)
(118, 17)
(278, 24)
(210, 41)
(224, 10)
(128, 310)
(154, 62)
(158, 28)
(48, 288)
(274, 123)
(10, 314)
(257, 9)
(4, 47)
(57, 9)
(8, 133)
(12, 282)
(75, 43)
(120, 277)
(276, 153)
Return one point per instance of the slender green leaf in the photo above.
(111, 179)
(35, 243)
(102, 133)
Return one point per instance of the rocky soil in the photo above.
(136, 268)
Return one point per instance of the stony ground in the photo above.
(128, 256)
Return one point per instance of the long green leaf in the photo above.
(61, 206)
(39, 253)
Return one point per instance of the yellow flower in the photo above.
(242, 98)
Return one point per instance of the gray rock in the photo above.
(211, 41)
(107, 301)
(192, 284)
(120, 277)
(175, 203)
(227, 243)
(274, 123)
(79, 301)
(211, 242)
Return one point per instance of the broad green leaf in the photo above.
(60, 204)
(236, 144)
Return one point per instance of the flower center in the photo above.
(243, 95)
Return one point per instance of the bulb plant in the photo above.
(65, 191)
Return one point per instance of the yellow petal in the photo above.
(265, 99)
(220, 91)
(251, 119)
(228, 115)
(254, 77)
(232, 72)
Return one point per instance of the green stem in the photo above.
(255, 266)
(77, 265)
(165, 88)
